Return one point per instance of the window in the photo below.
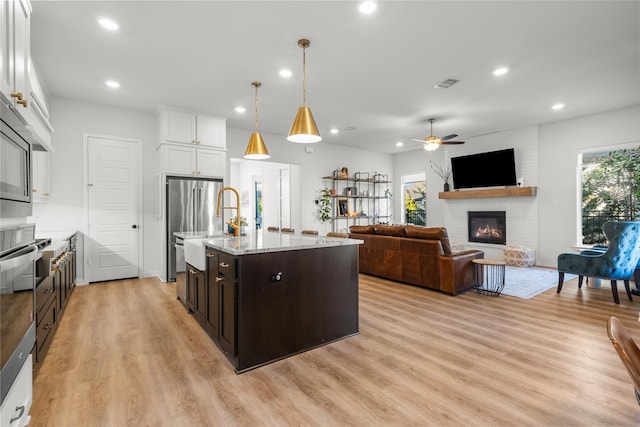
(415, 207)
(610, 184)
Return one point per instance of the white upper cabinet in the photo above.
(41, 176)
(178, 159)
(189, 128)
(14, 62)
(19, 85)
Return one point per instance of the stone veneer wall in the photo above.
(522, 212)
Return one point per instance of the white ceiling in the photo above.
(375, 74)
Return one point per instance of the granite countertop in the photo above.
(195, 234)
(263, 242)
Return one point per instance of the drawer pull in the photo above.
(219, 279)
(48, 326)
(48, 291)
(224, 264)
(18, 408)
(211, 255)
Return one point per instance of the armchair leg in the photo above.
(626, 287)
(560, 281)
(614, 291)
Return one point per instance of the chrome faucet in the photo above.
(236, 226)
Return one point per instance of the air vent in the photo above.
(446, 84)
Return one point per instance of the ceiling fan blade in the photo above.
(451, 142)
(448, 137)
(418, 140)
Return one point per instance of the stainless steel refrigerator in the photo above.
(191, 207)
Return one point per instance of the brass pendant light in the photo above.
(256, 149)
(304, 129)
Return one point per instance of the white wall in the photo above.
(546, 157)
(64, 212)
(559, 145)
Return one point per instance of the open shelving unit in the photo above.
(365, 196)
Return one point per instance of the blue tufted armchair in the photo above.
(617, 263)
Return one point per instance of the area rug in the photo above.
(527, 282)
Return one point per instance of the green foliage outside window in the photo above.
(610, 191)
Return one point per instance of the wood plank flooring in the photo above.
(126, 353)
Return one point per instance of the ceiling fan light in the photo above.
(304, 129)
(431, 146)
(256, 149)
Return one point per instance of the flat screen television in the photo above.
(490, 169)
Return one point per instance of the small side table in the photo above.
(489, 276)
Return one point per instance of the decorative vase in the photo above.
(446, 186)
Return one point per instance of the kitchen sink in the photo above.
(194, 253)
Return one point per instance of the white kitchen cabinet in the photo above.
(19, 85)
(14, 64)
(41, 176)
(189, 128)
(195, 161)
(17, 404)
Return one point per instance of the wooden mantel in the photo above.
(490, 192)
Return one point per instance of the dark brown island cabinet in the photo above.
(262, 307)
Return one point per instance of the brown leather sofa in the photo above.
(416, 255)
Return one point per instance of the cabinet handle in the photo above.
(219, 279)
(224, 264)
(17, 95)
(49, 291)
(18, 408)
(193, 172)
(193, 141)
(48, 326)
(23, 102)
(198, 142)
(46, 194)
(34, 190)
(211, 255)
(198, 172)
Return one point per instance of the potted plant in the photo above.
(444, 173)
(325, 205)
(243, 224)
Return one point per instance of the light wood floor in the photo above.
(127, 354)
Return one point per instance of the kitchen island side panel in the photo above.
(314, 302)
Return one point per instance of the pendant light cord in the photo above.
(304, 77)
(256, 108)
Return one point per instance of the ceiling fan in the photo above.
(432, 142)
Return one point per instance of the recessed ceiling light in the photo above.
(367, 7)
(500, 71)
(240, 109)
(334, 131)
(112, 84)
(109, 24)
(557, 106)
(285, 73)
(399, 144)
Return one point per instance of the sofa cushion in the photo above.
(430, 233)
(361, 229)
(389, 230)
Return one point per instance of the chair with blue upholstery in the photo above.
(618, 262)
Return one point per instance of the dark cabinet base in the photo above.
(290, 302)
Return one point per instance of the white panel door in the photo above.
(113, 186)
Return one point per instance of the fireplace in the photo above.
(488, 227)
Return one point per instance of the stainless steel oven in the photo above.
(15, 167)
(18, 258)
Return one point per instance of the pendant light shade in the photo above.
(304, 129)
(256, 149)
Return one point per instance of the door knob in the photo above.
(134, 226)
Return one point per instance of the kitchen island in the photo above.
(268, 296)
